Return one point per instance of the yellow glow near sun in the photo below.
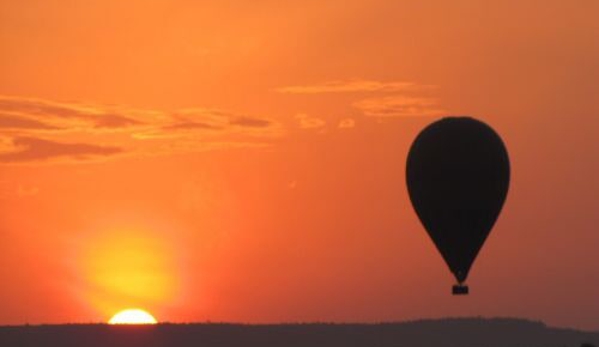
(131, 264)
(127, 267)
(132, 316)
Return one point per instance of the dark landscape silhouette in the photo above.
(498, 332)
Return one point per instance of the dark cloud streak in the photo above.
(190, 125)
(71, 131)
(8, 121)
(35, 149)
(250, 122)
(114, 121)
(97, 117)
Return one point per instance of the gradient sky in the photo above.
(244, 160)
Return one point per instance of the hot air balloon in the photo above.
(458, 174)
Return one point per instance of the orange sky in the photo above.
(244, 160)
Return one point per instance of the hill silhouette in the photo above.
(462, 332)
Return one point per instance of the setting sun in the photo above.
(132, 316)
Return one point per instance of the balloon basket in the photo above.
(459, 289)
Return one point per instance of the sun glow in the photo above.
(126, 267)
(132, 316)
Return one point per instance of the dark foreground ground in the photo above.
(430, 333)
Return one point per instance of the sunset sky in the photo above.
(245, 160)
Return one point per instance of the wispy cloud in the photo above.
(16, 122)
(309, 122)
(352, 86)
(35, 130)
(250, 122)
(347, 123)
(399, 106)
(113, 121)
(208, 122)
(33, 149)
(387, 99)
(65, 115)
(189, 125)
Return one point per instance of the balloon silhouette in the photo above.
(458, 174)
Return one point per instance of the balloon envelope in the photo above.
(458, 175)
